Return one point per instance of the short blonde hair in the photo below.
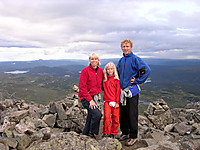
(94, 55)
(115, 71)
(127, 41)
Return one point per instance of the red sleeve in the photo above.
(83, 91)
(118, 91)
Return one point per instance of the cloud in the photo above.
(57, 29)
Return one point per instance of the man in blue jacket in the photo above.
(132, 71)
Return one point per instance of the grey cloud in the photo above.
(89, 25)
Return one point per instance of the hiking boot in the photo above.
(130, 142)
(92, 135)
(123, 137)
(105, 135)
(112, 136)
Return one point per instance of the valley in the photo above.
(45, 81)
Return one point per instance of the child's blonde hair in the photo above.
(115, 71)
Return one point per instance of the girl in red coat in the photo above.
(111, 85)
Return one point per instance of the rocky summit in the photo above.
(58, 126)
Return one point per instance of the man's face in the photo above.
(126, 48)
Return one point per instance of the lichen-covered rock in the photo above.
(39, 123)
(46, 133)
(25, 125)
(72, 140)
(164, 145)
(144, 121)
(2, 107)
(11, 142)
(37, 136)
(183, 129)
(8, 103)
(50, 119)
(52, 108)
(64, 124)
(110, 144)
(75, 88)
(169, 127)
(3, 147)
(18, 115)
(158, 115)
(22, 139)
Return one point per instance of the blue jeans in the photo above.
(93, 119)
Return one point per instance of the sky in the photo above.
(73, 29)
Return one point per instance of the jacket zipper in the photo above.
(96, 76)
(123, 71)
(108, 81)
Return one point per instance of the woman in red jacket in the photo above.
(90, 85)
(111, 85)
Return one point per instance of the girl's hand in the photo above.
(116, 105)
(132, 80)
(92, 105)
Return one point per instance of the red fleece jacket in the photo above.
(90, 82)
(112, 89)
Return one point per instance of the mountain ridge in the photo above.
(55, 77)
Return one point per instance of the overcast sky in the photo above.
(73, 29)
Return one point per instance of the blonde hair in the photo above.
(94, 55)
(127, 41)
(115, 71)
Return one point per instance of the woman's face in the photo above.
(94, 62)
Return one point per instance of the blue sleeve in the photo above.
(143, 71)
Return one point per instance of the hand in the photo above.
(92, 105)
(132, 80)
(116, 105)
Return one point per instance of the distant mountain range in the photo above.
(176, 81)
(163, 70)
(13, 65)
(21, 65)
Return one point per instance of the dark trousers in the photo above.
(93, 119)
(129, 117)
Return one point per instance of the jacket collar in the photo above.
(111, 76)
(93, 68)
(129, 55)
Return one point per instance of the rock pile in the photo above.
(159, 114)
(72, 140)
(167, 129)
(59, 125)
(55, 126)
(24, 123)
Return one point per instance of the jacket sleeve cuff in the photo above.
(89, 98)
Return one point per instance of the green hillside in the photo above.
(177, 82)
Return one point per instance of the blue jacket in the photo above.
(132, 66)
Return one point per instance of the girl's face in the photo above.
(94, 62)
(110, 70)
